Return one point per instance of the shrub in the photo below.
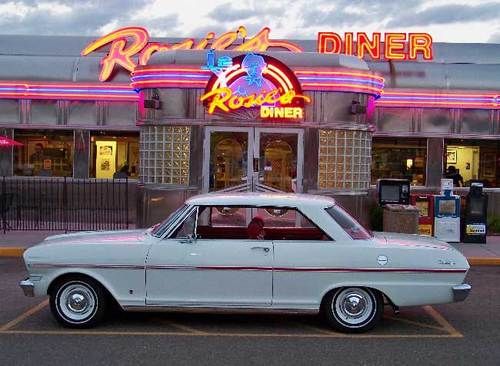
(494, 224)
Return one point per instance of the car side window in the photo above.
(187, 228)
(289, 224)
(256, 223)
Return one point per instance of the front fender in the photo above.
(126, 286)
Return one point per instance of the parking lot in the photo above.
(455, 333)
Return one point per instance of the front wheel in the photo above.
(353, 309)
(78, 302)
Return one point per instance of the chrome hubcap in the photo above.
(353, 307)
(77, 302)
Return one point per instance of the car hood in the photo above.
(411, 241)
(99, 237)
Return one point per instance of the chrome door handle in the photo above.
(265, 249)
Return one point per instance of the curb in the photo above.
(484, 261)
(473, 261)
(12, 251)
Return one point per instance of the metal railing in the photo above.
(65, 204)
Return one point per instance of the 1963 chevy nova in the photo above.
(246, 251)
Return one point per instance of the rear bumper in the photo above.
(28, 287)
(460, 292)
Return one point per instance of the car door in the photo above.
(188, 271)
(305, 269)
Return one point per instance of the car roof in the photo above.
(261, 200)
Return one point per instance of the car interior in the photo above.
(268, 223)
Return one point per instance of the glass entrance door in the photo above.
(226, 154)
(252, 159)
(280, 159)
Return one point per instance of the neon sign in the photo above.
(130, 46)
(393, 46)
(252, 81)
(66, 91)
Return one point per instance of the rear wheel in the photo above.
(78, 302)
(353, 309)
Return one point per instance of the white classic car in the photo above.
(246, 251)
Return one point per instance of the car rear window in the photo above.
(349, 224)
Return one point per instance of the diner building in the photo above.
(254, 114)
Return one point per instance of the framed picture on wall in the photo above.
(451, 156)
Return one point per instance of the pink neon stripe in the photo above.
(28, 85)
(67, 96)
(171, 70)
(438, 104)
(356, 88)
(438, 95)
(66, 91)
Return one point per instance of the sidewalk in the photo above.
(482, 254)
(13, 243)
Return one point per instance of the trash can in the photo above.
(401, 219)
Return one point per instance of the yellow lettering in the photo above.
(265, 112)
(220, 96)
(235, 102)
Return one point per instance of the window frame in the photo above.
(166, 226)
(201, 208)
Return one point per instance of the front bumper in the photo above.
(28, 287)
(460, 292)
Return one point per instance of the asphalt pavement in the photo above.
(458, 334)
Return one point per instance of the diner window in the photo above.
(399, 158)
(114, 155)
(473, 160)
(44, 153)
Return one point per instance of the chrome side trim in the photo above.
(299, 269)
(87, 265)
(207, 268)
(243, 268)
(460, 292)
(211, 308)
(28, 287)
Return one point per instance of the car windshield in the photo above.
(159, 229)
(346, 222)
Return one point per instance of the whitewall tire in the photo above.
(78, 302)
(353, 309)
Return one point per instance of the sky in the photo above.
(445, 20)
